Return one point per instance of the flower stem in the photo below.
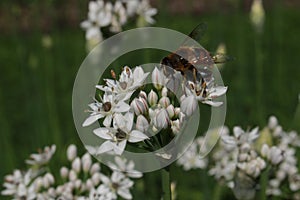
(166, 185)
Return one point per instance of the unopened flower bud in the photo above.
(164, 92)
(95, 168)
(89, 184)
(76, 165)
(152, 98)
(162, 119)
(142, 124)
(139, 105)
(143, 94)
(171, 111)
(72, 175)
(273, 122)
(164, 102)
(77, 183)
(157, 78)
(71, 152)
(86, 163)
(96, 178)
(175, 126)
(64, 172)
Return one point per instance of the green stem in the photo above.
(264, 183)
(217, 192)
(166, 184)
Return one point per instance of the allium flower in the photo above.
(118, 184)
(99, 15)
(191, 158)
(146, 12)
(128, 82)
(108, 108)
(205, 95)
(118, 136)
(42, 157)
(158, 78)
(19, 185)
(240, 137)
(126, 167)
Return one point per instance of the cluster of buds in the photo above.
(138, 119)
(113, 16)
(243, 160)
(80, 179)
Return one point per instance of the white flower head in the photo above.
(117, 184)
(43, 157)
(108, 108)
(117, 137)
(127, 84)
(126, 167)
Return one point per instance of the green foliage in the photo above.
(36, 86)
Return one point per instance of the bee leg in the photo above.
(194, 74)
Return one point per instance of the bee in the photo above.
(194, 63)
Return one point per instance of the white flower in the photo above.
(161, 118)
(118, 136)
(118, 184)
(119, 17)
(99, 15)
(273, 154)
(294, 182)
(146, 12)
(142, 124)
(19, 185)
(164, 101)
(42, 157)
(139, 106)
(240, 137)
(108, 108)
(157, 78)
(128, 82)
(191, 159)
(175, 126)
(188, 105)
(76, 165)
(204, 94)
(273, 122)
(126, 167)
(152, 98)
(71, 152)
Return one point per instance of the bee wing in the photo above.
(220, 58)
(197, 33)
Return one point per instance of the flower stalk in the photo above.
(166, 184)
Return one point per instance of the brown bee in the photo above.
(194, 63)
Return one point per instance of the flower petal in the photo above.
(137, 136)
(119, 148)
(105, 147)
(91, 119)
(107, 120)
(103, 133)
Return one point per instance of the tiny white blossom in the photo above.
(43, 157)
(126, 167)
(117, 137)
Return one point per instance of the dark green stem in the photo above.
(166, 184)
(264, 183)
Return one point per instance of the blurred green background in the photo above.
(42, 47)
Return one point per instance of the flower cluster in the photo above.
(80, 179)
(113, 16)
(191, 159)
(244, 160)
(126, 118)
